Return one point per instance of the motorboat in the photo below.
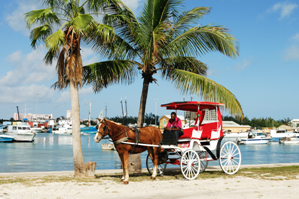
(6, 138)
(254, 138)
(3, 128)
(235, 135)
(36, 129)
(60, 130)
(278, 134)
(21, 132)
(289, 140)
(109, 146)
(90, 130)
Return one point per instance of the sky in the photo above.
(264, 77)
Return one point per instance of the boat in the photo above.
(289, 140)
(6, 138)
(254, 138)
(3, 128)
(278, 134)
(109, 146)
(89, 129)
(21, 132)
(61, 130)
(236, 135)
(36, 129)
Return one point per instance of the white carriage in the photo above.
(201, 143)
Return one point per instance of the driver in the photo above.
(175, 124)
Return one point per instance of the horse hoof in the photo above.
(126, 182)
(153, 178)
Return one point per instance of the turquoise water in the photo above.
(54, 153)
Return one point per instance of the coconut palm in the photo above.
(166, 40)
(62, 27)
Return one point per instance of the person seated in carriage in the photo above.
(174, 126)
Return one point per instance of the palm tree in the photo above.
(165, 40)
(62, 26)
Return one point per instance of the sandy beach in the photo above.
(212, 188)
(219, 187)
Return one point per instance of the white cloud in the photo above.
(285, 9)
(242, 65)
(64, 97)
(16, 18)
(17, 22)
(291, 53)
(132, 4)
(28, 68)
(295, 38)
(25, 94)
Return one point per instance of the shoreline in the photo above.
(112, 171)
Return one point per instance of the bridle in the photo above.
(105, 128)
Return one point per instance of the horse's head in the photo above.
(103, 130)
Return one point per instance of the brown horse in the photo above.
(148, 135)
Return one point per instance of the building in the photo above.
(164, 120)
(68, 114)
(286, 127)
(33, 117)
(294, 123)
(234, 127)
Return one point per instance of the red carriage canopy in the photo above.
(191, 105)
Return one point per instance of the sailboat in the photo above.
(89, 129)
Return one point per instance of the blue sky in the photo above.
(264, 77)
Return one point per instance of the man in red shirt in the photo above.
(174, 125)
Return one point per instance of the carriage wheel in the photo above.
(190, 164)
(203, 161)
(230, 157)
(150, 166)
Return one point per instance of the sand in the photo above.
(237, 187)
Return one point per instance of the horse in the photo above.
(118, 133)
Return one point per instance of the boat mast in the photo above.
(89, 114)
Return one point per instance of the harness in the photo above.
(126, 138)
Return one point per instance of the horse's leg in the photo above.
(121, 156)
(155, 160)
(126, 167)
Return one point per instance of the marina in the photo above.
(50, 152)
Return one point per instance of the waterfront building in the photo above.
(234, 127)
(33, 117)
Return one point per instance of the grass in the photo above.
(264, 173)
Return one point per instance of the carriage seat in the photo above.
(203, 132)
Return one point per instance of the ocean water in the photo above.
(52, 152)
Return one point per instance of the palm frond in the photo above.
(55, 40)
(82, 21)
(190, 64)
(208, 90)
(39, 34)
(41, 16)
(102, 74)
(185, 20)
(197, 41)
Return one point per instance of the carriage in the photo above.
(200, 143)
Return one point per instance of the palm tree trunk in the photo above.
(77, 149)
(143, 102)
(135, 164)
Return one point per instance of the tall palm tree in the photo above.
(166, 40)
(62, 27)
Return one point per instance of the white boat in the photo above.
(6, 138)
(3, 128)
(254, 138)
(60, 130)
(21, 132)
(289, 140)
(236, 135)
(278, 134)
(36, 129)
(109, 146)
